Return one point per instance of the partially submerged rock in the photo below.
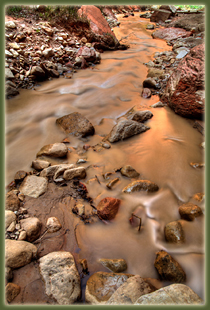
(76, 124)
(129, 171)
(33, 186)
(101, 285)
(140, 116)
(54, 150)
(108, 208)
(189, 211)
(79, 173)
(11, 291)
(174, 294)
(174, 232)
(32, 227)
(18, 253)
(168, 268)
(61, 278)
(53, 224)
(126, 128)
(171, 33)
(39, 164)
(115, 265)
(139, 185)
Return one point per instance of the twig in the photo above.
(97, 179)
(139, 220)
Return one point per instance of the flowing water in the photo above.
(161, 155)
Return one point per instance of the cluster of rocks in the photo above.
(173, 72)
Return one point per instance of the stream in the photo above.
(162, 155)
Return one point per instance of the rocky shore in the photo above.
(45, 205)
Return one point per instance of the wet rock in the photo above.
(12, 201)
(61, 278)
(112, 183)
(150, 26)
(10, 217)
(149, 83)
(76, 124)
(125, 129)
(79, 173)
(189, 211)
(174, 294)
(8, 74)
(168, 268)
(154, 72)
(10, 25)
(89, 54)
(197, 165)
(146, 93)
(11, 291)
(54, 150)
(19, 176)
(8, 274)
(79, 209)
(18, 253)
(39, 164)
(170, 33)
(101, 285)
(49, 71)
(139, 185)
(81, 161)
(188, 78)
(140, 116)
(55, 171)
(33, 186)
(32, 227)
(130, 291)
(115, 265)
(106, 145)
(174, 232)
(158, 104)
(108, 208)
(160, 15)
(199, 197)
(38, 72)
(98, 23)
(129, 172)
(187, 22)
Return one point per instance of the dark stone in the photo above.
(20, 175)
(174, 232)
(189, 211)
(108, 208)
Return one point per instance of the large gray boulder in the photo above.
(61, 278)
(174, 294)
(126, 128)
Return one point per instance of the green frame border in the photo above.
(2, 141)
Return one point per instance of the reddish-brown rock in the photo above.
(160, 15)
(184, 92)
(146, 93)
(98, 23)
(171, 33)
(89, 54)
(189, 211)
(108, 208)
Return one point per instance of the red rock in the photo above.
(98, 23)
(108, 12)
(108, 208)
(171, 33)
(184, 90)
(160, 15)
(89, 54)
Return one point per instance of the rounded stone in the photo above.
(174, 232)
(189, 211)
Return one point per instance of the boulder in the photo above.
(170, 33)
(183, 90)
(160, 15)
(61, 278)
(32, 227)
(174, 294)
(10, 217)
(115, 265)
(76, 124)
(139, 185)
(33, 186)
(98, 23)
(188, 21)
(18, 253)
(108, 208)
(55, 171)
(11, 291)
(174, 232)
(53, 224)
(54, 150)
(189, 211)
(168, 268)
(130, 291)
(129, 172)
(89, 54)
(12, 201)
(101, 285)
(79, 173)
(39, 164)
(126, 128)
(149, 83)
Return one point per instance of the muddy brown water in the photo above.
(161, 154)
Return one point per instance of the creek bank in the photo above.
(68, 201)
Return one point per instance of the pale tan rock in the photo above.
(33, 186)
(53, 224)
(32, 227)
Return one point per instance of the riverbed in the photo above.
(162, 155)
